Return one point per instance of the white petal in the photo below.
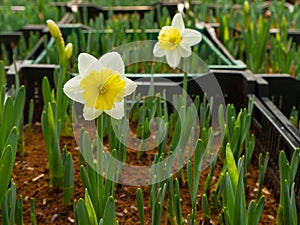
(191, 37)
(85, 61)
(178, 22)
(114, 61)
(173, 58)
(117, 112)
(184, 50)
(130, 86)
(157, 51)
(90, 113)
(72, 89)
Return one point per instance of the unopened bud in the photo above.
(68, 51)
(251, 27)
(246, 7)
(284, 22)
(278, 38)
(54, 29)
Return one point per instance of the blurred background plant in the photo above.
(23, 13)
(261, 38)
(11, 51)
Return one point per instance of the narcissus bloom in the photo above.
(101, 85)
(175, 41)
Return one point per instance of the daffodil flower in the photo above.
(101, 85)
(175, 41)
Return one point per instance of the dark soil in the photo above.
(31, 175)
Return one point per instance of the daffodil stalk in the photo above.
(61, 171)
(99, 188)
(287, 211)
(262, 168)
(85, 212)
(30, 118)
(203, 148)
(12, 207)
(237, 130)
(140, 205)
(157, 196)
(101, 86)
(64, 55)
(11, 116)
(193, 176)
(246, 13)
(68, 186)
(7, 159)
(234, 200)
(10, 204)
(51, 135)
(236, 140)
(53, 118)
(15, 106)
(32, 212)
(209, 177)
(174, 214)
(205, 207)
(174, 42)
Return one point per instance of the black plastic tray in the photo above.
(236, 85)
(279, 93)
(9, 40)
(272, 136)
(93, 10)
(31, 76)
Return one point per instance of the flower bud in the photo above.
(284, 23)
(54, 29)
(68, 51)
(278, 38)
(246, 7)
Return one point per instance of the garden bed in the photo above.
(31, 175)
(32, 172)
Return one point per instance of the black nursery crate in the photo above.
(235, 85)
(277, 94)
(31, 76)
(36, 28)
(9, 40)
(91, 11)
(280, 93)
(272, 136)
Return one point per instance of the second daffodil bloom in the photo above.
(175, 41)
(101, 85)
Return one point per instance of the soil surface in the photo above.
(31, 175)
